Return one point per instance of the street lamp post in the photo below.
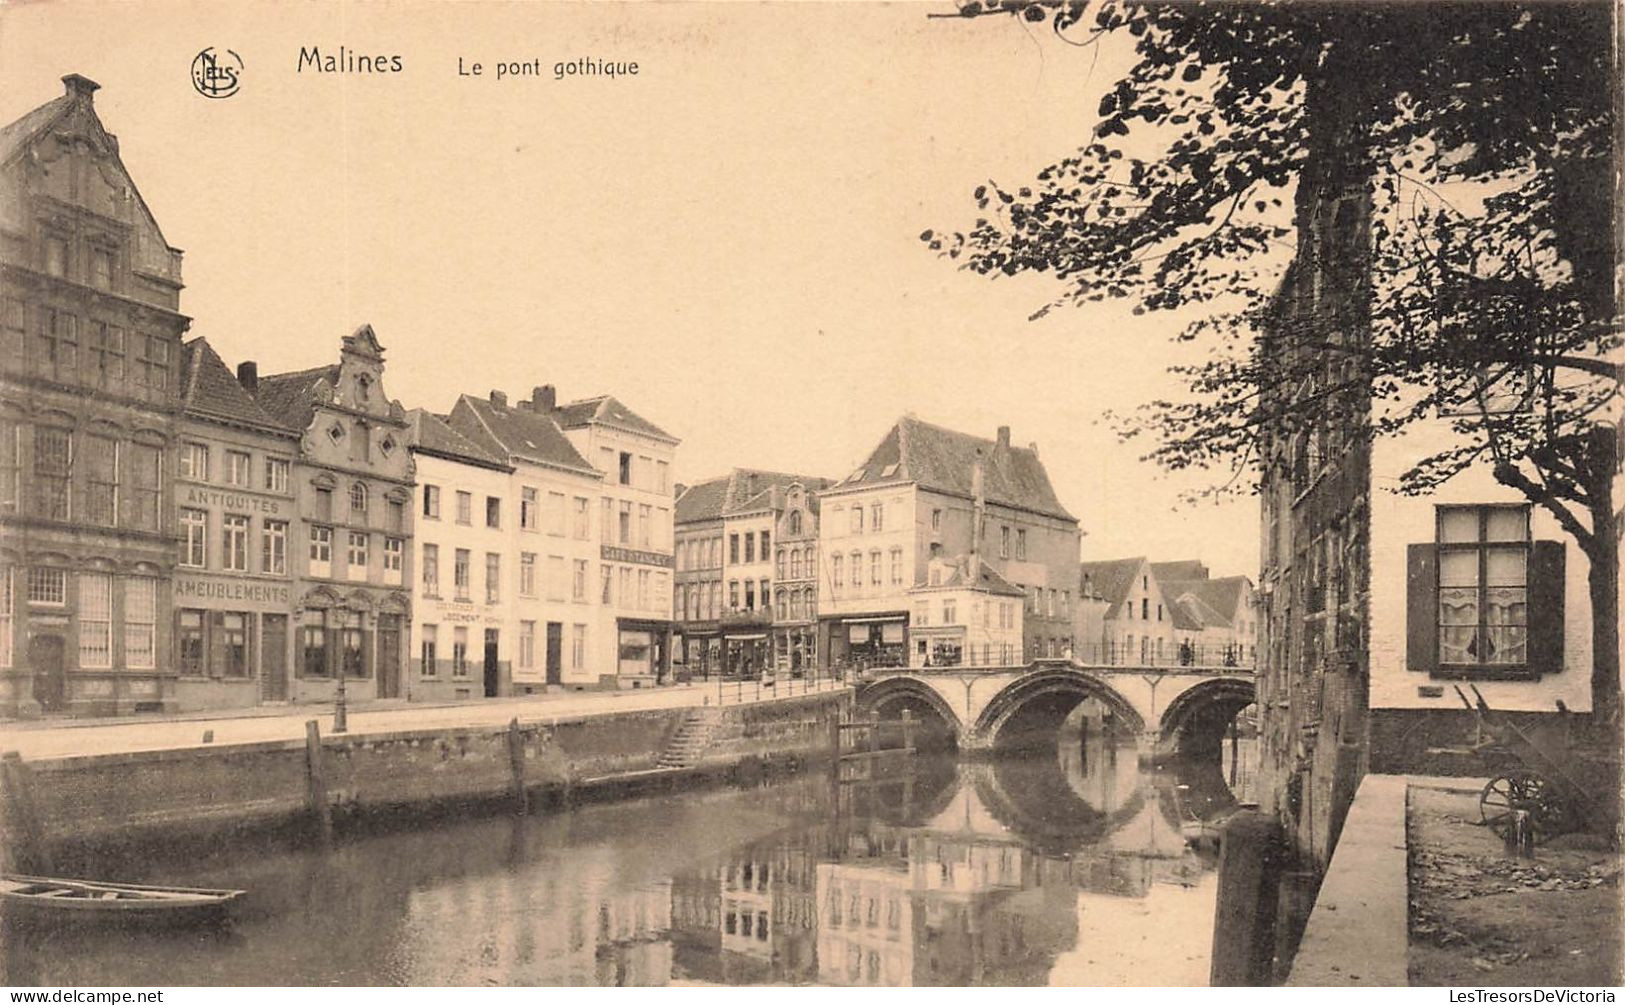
(341, 723)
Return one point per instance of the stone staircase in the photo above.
(688, 744)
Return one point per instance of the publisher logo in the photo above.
(217, 73)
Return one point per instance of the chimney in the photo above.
(499, 399)
(978, 505)
(544, 399)
(80, 87)
(1004, 437)
(1033, 446)
(248, 375)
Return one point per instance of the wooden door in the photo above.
(555, 652)
(389, 655)
(274, 657)
(46, 657)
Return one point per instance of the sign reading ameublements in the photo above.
(223, 588)
(612, 553)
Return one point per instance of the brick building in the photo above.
(927, 492)
(353, 481)
(90, 333)
(743, 513)
(234, 507)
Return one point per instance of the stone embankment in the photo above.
(71, 804)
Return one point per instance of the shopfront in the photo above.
(795, 648)
(745, 654)
(233, 646)
(701, 648)
(879, 640)
(642, 648)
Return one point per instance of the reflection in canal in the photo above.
(1071, 870)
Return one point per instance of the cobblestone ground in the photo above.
(1482, 917)
(68, 738)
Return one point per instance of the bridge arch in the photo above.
(1194, 723)
(1030, 710)
(887, 699)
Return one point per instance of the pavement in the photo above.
(39, 739)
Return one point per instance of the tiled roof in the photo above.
(288, 397)
(702, 501)
(1110, 581)
(1191, 615)
(1189, 568)
(742, 490)
(431, 434)
(606, 409)
(210, 390)
(986, 578)
(1221, 596)
(518, 434)
(943, 460)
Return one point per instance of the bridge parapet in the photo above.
(1153, 702)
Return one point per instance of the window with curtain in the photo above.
(1483, 585)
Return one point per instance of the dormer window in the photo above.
(363, 389)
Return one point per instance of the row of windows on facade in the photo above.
(1002, 611)
(47, 586)
(636, 471)
(235, 550)
(85, 352)
(1011, 539)
(237, 469)
(430, 663)
(348, 629)
(838, 569)
(643, 589)
(703, 601)
(92, 478)
(224, 643)
(623, 522)
(95, 264)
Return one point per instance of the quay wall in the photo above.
(91, 801)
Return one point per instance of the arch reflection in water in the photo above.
(962, 873)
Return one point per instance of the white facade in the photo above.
(867, 565)
(557, 604)
(633, 565)
(747, 571)
(462, 609)
(961, 625)
(1399, 522)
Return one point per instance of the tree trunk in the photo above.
(1603, 579)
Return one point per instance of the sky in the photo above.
(728, 241)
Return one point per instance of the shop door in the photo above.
(274, 656)
(492, 677)
(389, 655)
(555, 653)
(45, 658)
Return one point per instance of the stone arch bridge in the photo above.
(1170, 711)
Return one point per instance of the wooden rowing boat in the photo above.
(38, 898)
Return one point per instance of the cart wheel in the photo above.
(1522, 790)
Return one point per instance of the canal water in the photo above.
(1073, 870)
